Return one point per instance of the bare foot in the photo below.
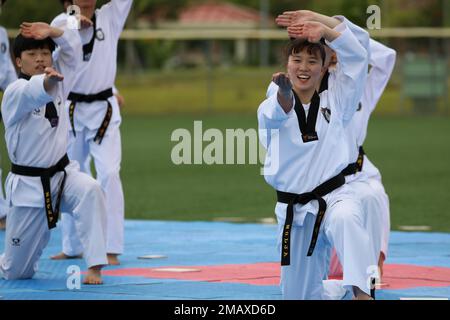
(3, 223)
(112, 259)
(360, 295)
(93, 276)
(63, 256)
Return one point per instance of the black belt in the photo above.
(357, 166)
(89, 98)
(291, 199)
(46, 174)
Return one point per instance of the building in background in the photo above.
(209, 16)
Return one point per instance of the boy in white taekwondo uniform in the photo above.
(374, 199)
(7, 76)
(305, 148)
(42, 178)
(95, 119)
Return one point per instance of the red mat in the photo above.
(396, 276)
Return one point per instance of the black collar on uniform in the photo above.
(24, 76)
(324, 82)
(307, 125)
(51, 114)
(89, 47)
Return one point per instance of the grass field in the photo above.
(234, 90)
(413, 155)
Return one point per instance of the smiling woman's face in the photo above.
(305, 69)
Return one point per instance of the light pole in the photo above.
(264, 6)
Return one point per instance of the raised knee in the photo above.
(368, 198)
(93, 188)
(345, 215)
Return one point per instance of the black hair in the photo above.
(22, 44)
(298, 45)
(64, 1)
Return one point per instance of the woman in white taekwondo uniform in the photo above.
(7, 76)
(374, 199)
(360, 174)
(305, 130)
(95, 120)
(42, 179)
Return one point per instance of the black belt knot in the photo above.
(46, 174)
(291, 199)
(90, 98)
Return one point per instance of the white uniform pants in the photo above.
(107, 157)
(343, 228)
(375, 203)
(27, 232)
(382, 203)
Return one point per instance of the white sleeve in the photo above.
(271, 116)
(22, 97)
(8, 72)
(272, 89)
(382, 60)
(351, 72)
(60, 21)
(117, 11)
(68, 58)
(361, 35)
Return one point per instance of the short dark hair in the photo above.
(63, 2)
(297, 45)
(22, 44)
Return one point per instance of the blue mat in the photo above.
(205, 244)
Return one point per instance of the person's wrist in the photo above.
(56, 32)
(329, 34)
(313, 16)
(285, 93)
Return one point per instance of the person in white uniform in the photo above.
(7, 76)
(95, 120)
(120, 99)
(361, 174)
(302, 132)
(7, 71)
(42, 179)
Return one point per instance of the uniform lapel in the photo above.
(51, 114)
(307, 124)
